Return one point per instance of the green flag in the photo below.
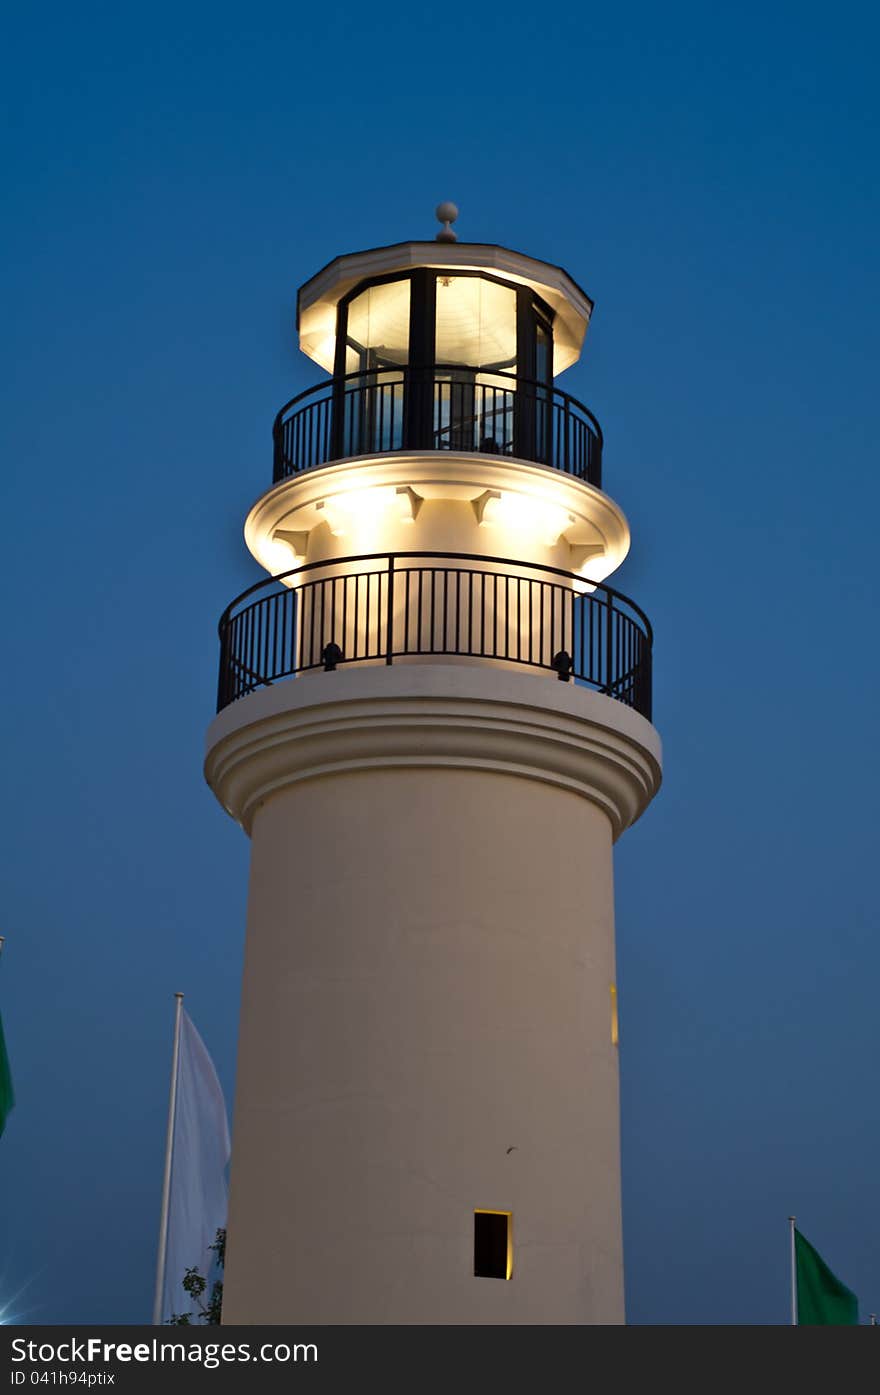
(821, 1298)
(7, 1098)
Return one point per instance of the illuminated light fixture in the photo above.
(552, 522)
(331, 517)
(332, 655)
(355, 508)
(615, 1033)
(581, 553)
(297, 541)
(281, 553)
(563, 664)
(522, 513)
(493, 1244)
(363, 503)
(408, 503)
(591, 561)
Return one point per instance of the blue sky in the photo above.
(172, 174)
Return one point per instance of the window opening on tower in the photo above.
(493, 1244)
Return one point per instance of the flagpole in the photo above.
(166, 1181)
(794, 1308)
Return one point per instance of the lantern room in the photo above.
(447, 346)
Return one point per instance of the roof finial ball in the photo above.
(446, 213)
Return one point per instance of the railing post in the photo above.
(337, 418)
(609, 644)
(222, 677)
(389, 644)
(524, 421)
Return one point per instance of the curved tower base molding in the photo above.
(426, 1011)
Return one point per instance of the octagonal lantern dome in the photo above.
(471, 304)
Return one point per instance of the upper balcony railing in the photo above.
(438, 408)
(424, 607)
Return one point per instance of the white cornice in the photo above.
(481, 717)
(594, 516)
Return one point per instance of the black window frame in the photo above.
(531, 433)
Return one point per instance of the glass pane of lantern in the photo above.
(376, 347)
(378, 327)
(476, 323)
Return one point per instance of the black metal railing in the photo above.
(438, 408)
(416, 606)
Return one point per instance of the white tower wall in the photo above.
(426, 1007)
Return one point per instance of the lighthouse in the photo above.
(434, 721)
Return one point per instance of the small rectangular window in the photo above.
(493, 1244)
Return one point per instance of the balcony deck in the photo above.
(439, 408)
(422, 607)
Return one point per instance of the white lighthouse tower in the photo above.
(434, 722)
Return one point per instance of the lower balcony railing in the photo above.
(423, 607)
(438, 408)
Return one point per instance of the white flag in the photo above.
(200, 1152)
